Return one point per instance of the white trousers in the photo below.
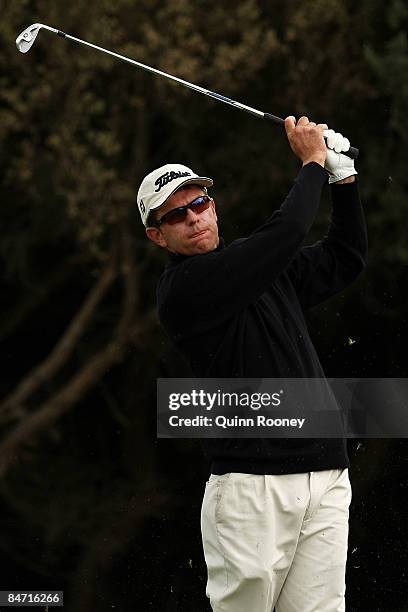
(276, 542)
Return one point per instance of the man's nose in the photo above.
(191, 216)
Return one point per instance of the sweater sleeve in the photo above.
(328, 266)
(222, 282)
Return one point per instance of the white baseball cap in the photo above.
(159, 185)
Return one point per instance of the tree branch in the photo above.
(63, 349)
(41, 294)
(95, 367)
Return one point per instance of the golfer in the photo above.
(275, 511)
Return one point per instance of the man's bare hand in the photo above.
(306, 139)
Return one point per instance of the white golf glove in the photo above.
(340, 166)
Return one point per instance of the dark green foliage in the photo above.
(87, 498)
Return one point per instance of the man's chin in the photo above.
(200, 245)
(205, 244)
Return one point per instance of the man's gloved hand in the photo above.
(340, 166)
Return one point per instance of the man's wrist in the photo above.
(349, 179)
(317, 159)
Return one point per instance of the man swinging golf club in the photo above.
(275, 511)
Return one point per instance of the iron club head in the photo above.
(26, 39)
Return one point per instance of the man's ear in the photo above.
(155, 235)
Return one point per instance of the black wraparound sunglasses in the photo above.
(178, 215)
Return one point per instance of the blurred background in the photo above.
(91, 502)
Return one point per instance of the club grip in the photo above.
(352, 152)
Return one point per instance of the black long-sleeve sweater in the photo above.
(237, 311)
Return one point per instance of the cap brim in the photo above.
(202, 181)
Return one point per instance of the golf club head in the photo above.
(26, 39)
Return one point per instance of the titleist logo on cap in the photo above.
(168, 177)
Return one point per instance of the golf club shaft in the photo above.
(202, 90)
(352, 152)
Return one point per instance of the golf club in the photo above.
(26, 40)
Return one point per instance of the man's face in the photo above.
(197, 233)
